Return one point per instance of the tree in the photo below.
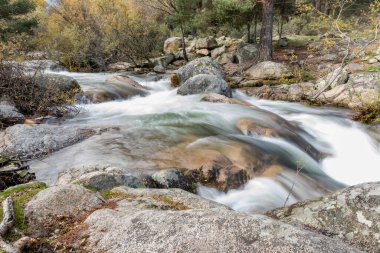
(237, 13)
(12, 17)
(266, 35)
(179, 14)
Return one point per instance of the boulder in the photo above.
(338, 77)
(372, 60)
(247, 53)
(268, 70)
(205, 83)
(328, 57)
(283, 42)
(173, 178)
(206, 43)
(218, 52)
(217, 98)
(165, 60)
(9, 115)
(352, 215)
(36, 140)
(120, 66)
(130, 87)
(226, 58)
(203, 52)
(172, 45)
(204, 65)
(65, 83)
(159, 69)
(43, 212)
(176, 221)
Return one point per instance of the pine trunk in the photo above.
(266, 36)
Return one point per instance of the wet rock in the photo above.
(165, 60)
(268, 71)
(204, 65)
(329, 57)
(172, 45)
(352, 215)
(9, 115)
(130, 87)
(66, 83)
(206, 43)
(37, 140)
(43, 212)
(217, 98)
(203, 52)
(176, 221)
(173, 178)
(159, 69)
(247, 53)
(204, 83)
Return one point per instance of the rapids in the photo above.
(142, 127)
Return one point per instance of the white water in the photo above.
(354, 159)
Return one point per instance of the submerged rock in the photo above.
(37, 140)
(130, 87)
(44, 211)
(204, 65)
(176, 221)
(352, 215)
(218, 98)
(9, 115)
(205, 83)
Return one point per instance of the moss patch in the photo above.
(111, 195)
(20, 195)
(170, 202)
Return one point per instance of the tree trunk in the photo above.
(318, 5)
(255, 29)
(249, 33)
(184, 44)
(327, 7)
(266, 35)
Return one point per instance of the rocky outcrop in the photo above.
(218, 52)
(120, 66)
(176, 221)
(352, 215)
(56, 203)
(172, 45)
(204, 83)
(9, 115)
(205, 65)
(268, 71)
(37, 140)
(173, 178)
(128, 85)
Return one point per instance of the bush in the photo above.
(34, 93)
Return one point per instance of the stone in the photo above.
(65, 83)
(172, 45)
(164, 61)
(130, 87)
(57, 202)
(173, 178)
(283, 42)
(204, 83)
(203, 52)
(247, 53)
(217, 98)
(372, 60)
(226, 58)
(329, 57)
(352, 215)
(268, 70)
(206, 43)
(120, 66)
(159, 69)
(179, 222)
(338, 77)
(204, 65)
(28, 141)
(218, 52)
(9, 115)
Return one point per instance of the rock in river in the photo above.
(204, 83)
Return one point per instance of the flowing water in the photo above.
(155, 131)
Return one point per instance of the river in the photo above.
(142, 127)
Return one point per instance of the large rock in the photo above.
(37, 140)
(352, 215)
(9, 115)
(176, 221)
(120, 66)
(129, 86)
(172, 45)
(218, 52)
(206, 43)
(173, 178)
(65, 83)
(338, 77)
(217, 98)
(43, 212)
(165, 60)
(204, 65)
(247, 53)
(268, 71)
(204, 83)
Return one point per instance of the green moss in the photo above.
(170, 202)
(370, 69)
(109, 194)
(368, 115)
(20, 195)
(90, 187)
